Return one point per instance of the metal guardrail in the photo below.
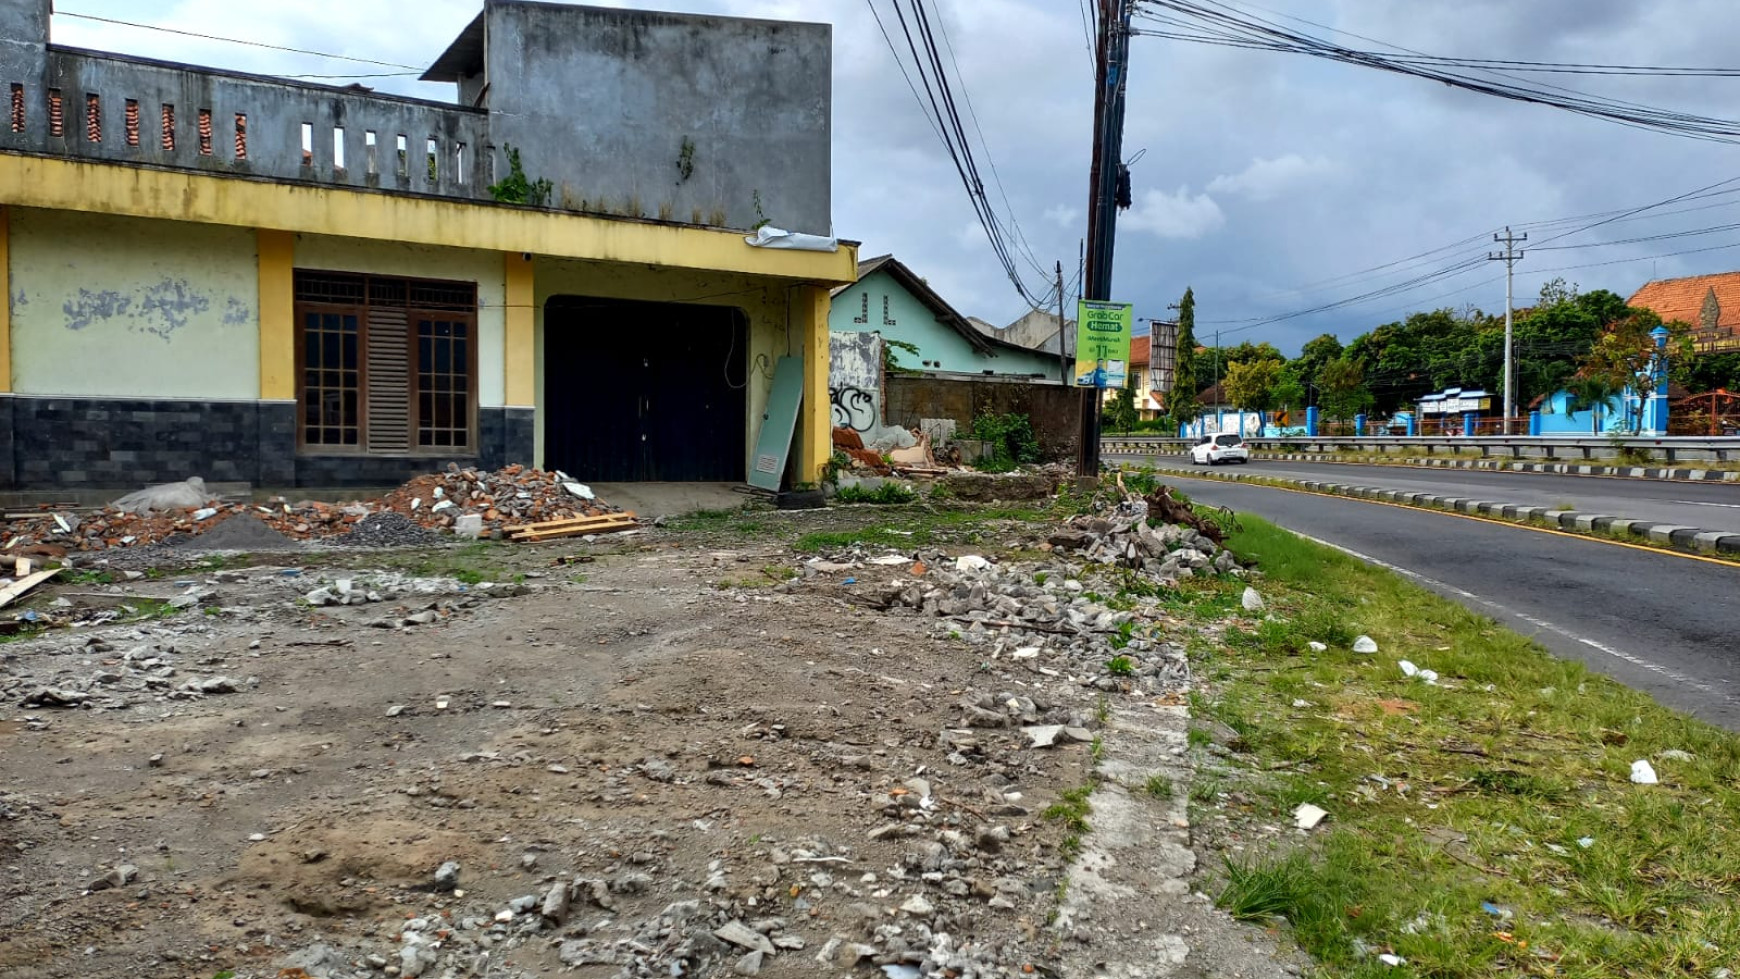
(1674, 448)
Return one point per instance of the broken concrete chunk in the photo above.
(1365, 644)
(55, 697)
(1643, 773)
(121, 876)
(750, 965)
(447, 875)
(739, 934)
(1253, 600)
(918, 906)
(555, 907)
(1043, 735)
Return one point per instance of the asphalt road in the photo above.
(1660, 623)
(1706, 506)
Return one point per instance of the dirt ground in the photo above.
(628, 745)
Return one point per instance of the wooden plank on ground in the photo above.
(548, 535)
(571, 521)
(603, 528)
(18, 589)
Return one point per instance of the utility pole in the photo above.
(1220, 396)
(1111, 60)
(1062, 350)
(1510, 256)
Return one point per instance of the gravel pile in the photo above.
(388, 529)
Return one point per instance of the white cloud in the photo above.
(1063, 215)
(1266, 180)
(1179, 215)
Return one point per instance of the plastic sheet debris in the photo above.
(1308, 816)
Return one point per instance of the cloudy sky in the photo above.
(1270, 183)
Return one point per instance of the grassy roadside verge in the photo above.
(1486, 825)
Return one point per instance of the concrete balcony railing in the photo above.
(115, 109)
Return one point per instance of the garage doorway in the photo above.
(645, 391)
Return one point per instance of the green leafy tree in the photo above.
(1290, 391)
(1248, 352)
(1625, 355)
(1709, 371)
(1309, 365)
(1596, 395)
(1250, 385)
(1181, 402)
(1120, 414)
(1343, 392)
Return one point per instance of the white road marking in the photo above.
(1731, 506)
(1538, 623)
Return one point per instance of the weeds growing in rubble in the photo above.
(1158, 786)
(1071, 810)
(1121, 666)
(887, 494)
(1481, 825)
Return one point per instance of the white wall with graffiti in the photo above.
(855, 387)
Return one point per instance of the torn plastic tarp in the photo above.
(766, 237)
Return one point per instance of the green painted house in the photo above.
(889, 299)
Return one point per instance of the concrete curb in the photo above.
(1692, 539)
(1555, 468)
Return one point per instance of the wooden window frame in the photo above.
(413, 312)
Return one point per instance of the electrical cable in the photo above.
(1210, 22)
(233, 40)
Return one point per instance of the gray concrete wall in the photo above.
(600, 102)
(275, 113)
(23, 38)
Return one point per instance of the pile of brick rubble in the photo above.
(433, 502)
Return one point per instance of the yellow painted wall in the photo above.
(119, 307)
(462, 264)
(764, 303)
(5, 300)
(109, 188)
(277, 276)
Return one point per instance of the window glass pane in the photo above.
(350, 343)
(329, 349)
(443, 356)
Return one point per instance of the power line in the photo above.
(1210, 22)
(234, 40)
(942, 112)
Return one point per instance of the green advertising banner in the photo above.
(1102, 343)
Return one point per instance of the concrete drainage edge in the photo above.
(1677, 536)
(1554, 468)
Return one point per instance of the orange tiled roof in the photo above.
(1139, 351)
(1685, 300)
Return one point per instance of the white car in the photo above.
(1214, 449)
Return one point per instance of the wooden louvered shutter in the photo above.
(389, 381)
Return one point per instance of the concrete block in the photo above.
(1707, 541)
(1663, 533)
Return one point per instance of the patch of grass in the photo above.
(471, 564)
(1121, 666)
(89, 578)
(887, 494)
(1158, 786)
(1260, 889)
(1507, 783)
(1198, 738)
(1071, 810)
(147, 609)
